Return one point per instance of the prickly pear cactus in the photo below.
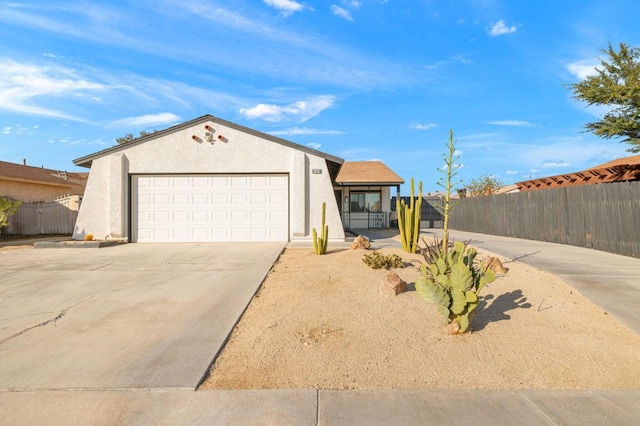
(452, 282)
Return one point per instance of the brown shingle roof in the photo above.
(619, 170)
(42, 176)
(367, 173)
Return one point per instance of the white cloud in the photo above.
(515, 123)
(314, 145)
(22, 87)
(512, 172)
(427, 126)
(300, 111)
(295, 131)
(500, 28)
(286, 7)
(353, 4)
(552, 164)
(582, 69)
(341, 12)
(147, 120)
(454, 167)
(6, 130)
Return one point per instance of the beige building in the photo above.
(31, 184)
(211, 180)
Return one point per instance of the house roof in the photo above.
(367, 173)
(87, 160)
(619, 170)
(40, 175)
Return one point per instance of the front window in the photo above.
(362, 202)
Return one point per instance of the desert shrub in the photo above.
(376, 260)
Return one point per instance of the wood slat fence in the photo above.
(604, 217)
(51, 217)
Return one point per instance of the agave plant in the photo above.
(452, 281)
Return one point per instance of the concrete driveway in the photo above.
(136, 316)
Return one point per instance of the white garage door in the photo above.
(216, 208)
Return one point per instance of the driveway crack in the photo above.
(49, 321)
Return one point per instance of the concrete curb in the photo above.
(76, 244)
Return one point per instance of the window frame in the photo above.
(365, 193)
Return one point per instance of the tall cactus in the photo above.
(320, 243)
(409, 219)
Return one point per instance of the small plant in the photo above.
(452, 281)
(7, 208)
(88, 237)
(320, 243)
(379, 261)
(409, 220)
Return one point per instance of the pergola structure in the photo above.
(620, 170)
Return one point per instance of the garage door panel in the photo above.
(161, 199)
(200, 198)
(181, 182)
(181, 199)
(200, 216)
(220, 198)
(199, 181)
(162, 182)
(239, 216)
(239, 181)
(210, 208)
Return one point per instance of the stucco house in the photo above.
(212, 180)
(32, 184)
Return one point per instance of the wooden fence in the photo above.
(604, 217)
(51, 217)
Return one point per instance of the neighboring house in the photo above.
(508, 189)
(363, 190)
(209, 180)
(620, 170)
(30, 184)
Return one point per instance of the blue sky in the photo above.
(368, 79)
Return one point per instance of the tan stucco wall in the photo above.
(25, 191)
(105, 207)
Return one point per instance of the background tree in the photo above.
(7, 208)
(483, 185)
(616, 84)
(129, 137)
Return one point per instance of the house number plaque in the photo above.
(316, 171)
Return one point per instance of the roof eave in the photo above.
(37, 181)
(370, 183)
(87, 160)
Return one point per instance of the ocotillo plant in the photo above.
(320, 243)
(409, 219)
